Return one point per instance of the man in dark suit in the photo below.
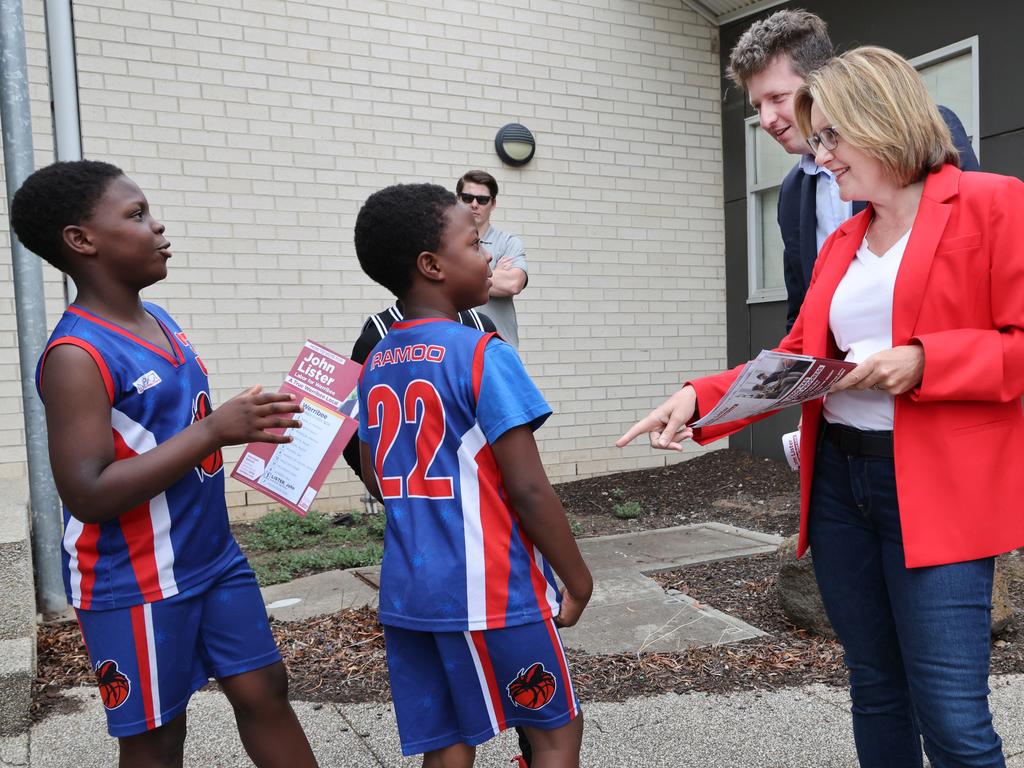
(771, 61)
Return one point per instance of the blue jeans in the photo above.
(916, 640)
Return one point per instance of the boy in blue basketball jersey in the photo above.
(475, 532)
(163, 594)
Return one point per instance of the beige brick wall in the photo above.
(257, 128)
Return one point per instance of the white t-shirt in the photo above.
(860, 319)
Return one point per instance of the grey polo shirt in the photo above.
(501, 309)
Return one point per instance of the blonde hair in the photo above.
(878, 102)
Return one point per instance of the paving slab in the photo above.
(631, 613)
(369, 575)
(668, 548)
(617, 587)
(628, 613)
(644, 551)
(319, 594)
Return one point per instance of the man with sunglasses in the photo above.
(770, 61)
(479, 190)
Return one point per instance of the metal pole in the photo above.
(60, 48)
(67, 123)
(31, 311)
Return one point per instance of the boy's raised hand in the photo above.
(247, 416)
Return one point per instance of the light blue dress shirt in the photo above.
(830, 210)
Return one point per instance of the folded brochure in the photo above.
(775, 380)
(325, 384)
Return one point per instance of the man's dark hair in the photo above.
(477, 177)
(57, 196)
(798, 34)
(395, 225)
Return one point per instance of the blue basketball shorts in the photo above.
(466, 687)
(149, 659)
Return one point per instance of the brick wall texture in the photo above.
(258, 127)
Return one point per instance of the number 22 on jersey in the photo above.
(421, 409)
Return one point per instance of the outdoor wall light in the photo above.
(515, 144)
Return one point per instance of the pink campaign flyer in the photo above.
(292, 474)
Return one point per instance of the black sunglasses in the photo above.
(482, 199)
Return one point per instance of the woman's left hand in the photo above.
(895, 371)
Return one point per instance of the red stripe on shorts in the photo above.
(564, 665)
(492, 683)
(142, 657)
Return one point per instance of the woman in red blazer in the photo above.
(907, 483)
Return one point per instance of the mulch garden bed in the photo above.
(340, 657)
(721, 486)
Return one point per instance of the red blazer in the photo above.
(959, 436)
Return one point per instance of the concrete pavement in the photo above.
(17, 609)
(807, 726)
(630, 613)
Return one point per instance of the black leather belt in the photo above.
(858, 442)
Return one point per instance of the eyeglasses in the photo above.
(827, 137)
(481, 199)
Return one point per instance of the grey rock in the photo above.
(798, 591)
(801, 601)
(1002, 605)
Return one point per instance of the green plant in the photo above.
(376, 523)
(284, 566)
(283, 529)
(627, 510)
(618, 494)
(576, 528)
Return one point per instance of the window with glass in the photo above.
(767, 165)
(951, 76)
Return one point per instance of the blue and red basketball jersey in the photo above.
(178, 538)
(435, 395)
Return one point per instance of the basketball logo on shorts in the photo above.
(213, 463)
(114, 684)
(533, 688)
